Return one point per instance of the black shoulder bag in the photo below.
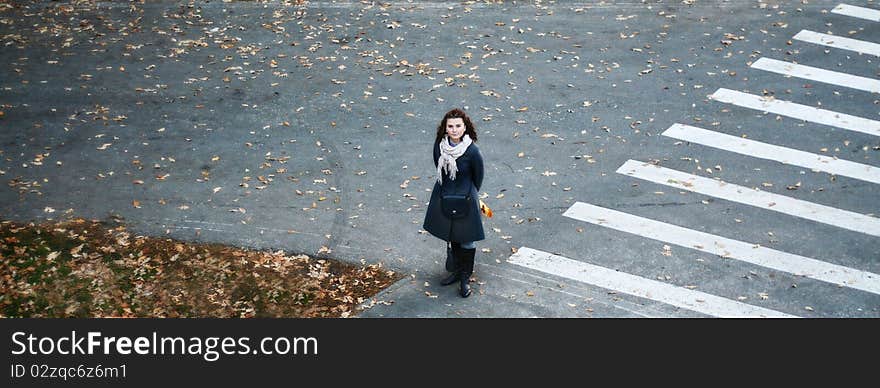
(455, 205)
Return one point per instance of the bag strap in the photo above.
(449, 243)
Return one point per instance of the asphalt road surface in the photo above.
(643, 158)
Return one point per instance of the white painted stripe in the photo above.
(727, 248)
(701, 302)
(857, 12)
(838, 42)
(798, 111)
(754, 197)
(817, 74)
(772, 152)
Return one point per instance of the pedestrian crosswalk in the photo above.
(798, 111)
(754, 197)
(635, 285)
(725, 247)
(838, 42)
(858, 12)
(823, 270)
(766, 151)
(817, 74)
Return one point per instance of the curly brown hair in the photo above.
(470, 130)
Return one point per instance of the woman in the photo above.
(453, 213)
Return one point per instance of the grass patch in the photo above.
(83, 268)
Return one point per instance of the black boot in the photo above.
(467, 268)
(452, 278)
(465, 288)
(456, 273)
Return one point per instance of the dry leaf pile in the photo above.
(83, 268)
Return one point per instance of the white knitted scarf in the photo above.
(448, 155)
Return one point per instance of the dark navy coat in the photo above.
(468, 180)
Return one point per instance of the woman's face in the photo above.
(455, 128)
